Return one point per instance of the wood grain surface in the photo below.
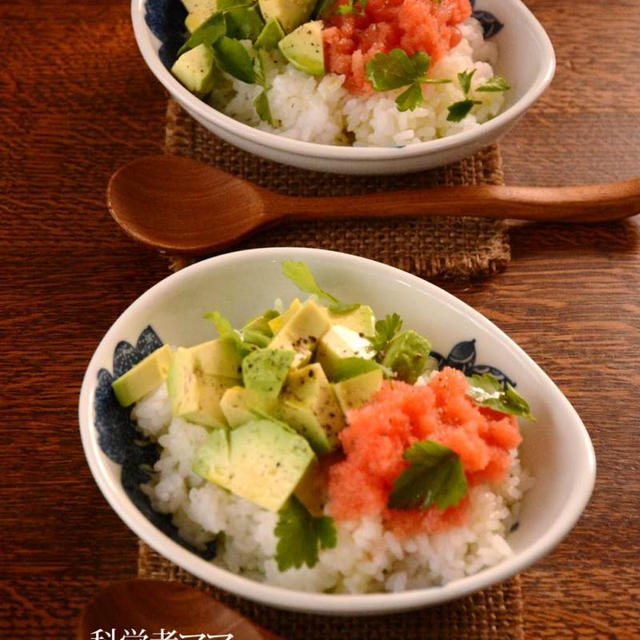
(76, 101)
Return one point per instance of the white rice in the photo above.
(367, 557)
(320, 109)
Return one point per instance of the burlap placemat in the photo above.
(447, 248)
(428, 247)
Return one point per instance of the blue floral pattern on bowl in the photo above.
(165, 19)
(121, 442)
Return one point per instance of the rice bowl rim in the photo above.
(490, 129)
(322, 603)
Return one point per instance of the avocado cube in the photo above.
(309, 386)
(264, 371)
(275, 324)
(195, 69)
(301, 417)
(290, 13)
(259, 461)
(182, 383)
(339, 343)
(354, 392)
(210, 391)
(143, 377)
(240, 405)
(302, 331)
(198, 12)
(304, 48)
(361, 320)
(219, 357)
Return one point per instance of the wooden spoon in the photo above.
(187, 207)
(154, 605)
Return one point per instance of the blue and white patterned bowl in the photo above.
(526, 59)
(556, 449)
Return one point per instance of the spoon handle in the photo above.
(589, 203)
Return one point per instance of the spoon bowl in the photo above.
(154, 605)
(185, 207)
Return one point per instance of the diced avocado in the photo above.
(182, 383)
(304, 48)
(198, 11)
(275, 324)
(354, 392)
(257, 331)
(195, 69)
(143, 377)
(361, 320)
(301, 417)
(241, 405)
(194, 393)
(219, 357)
(210, 391)
(211, 460)
(260, 461)
(408, 355)
(290, 13)
(309, 387)
(271, 34)
(264, 371)
(339, 343)
(302, 331)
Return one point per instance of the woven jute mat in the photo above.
(458, 248)
(448, 248)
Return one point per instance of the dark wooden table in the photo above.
(76, 101)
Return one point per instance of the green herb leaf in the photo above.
(321, 7)
(459, 110)
(301, 536)
(226, 331)
(207, 33)
(407, 355)
(225, 5)
(270, 35)
(434, 475)
(411, 98)
(350, 7)
(234, 59)
(386, 329)
(497, 83)
(261, 104)
(244, 23)
(464, 78)
(488, 391)
(300, 274)
(396, 69)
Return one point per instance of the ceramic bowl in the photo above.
(556, 449)
(526, 58)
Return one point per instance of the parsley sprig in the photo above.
(434, 476)
(396, 69)
(459, 110)
(301, 536)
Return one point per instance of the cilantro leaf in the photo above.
(300, 274)
(434, 475)
(301, 536)
(411, 98)
(234, 59)
(350, 7)
(464, 78)
(227, 332)
(207, 33)
(497, 83)
(243, 23)
(386, 329)
(261, 104)
(396, 69)
(407, 355)
(459, 110)
(488, 391)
